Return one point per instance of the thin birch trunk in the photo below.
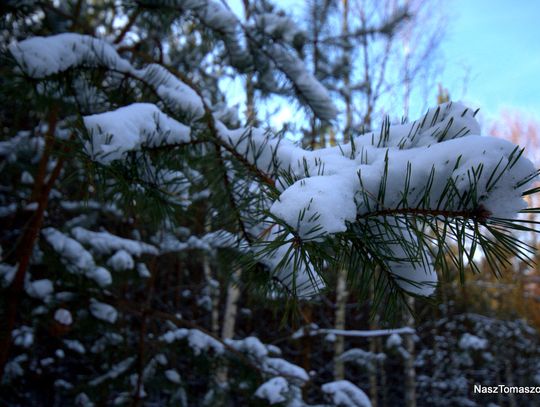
(229, 319)
(340, 319)
(410, 371)
(373, 387)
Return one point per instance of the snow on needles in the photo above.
(129, 128)
(344, 393)
(274, 390)
(437, 163)
(40, 57)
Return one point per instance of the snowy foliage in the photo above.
(134, 196)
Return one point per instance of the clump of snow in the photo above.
(215, 15)
(102, 311)
(109, 338)
(469, 341)
(175, 93)
(63, 316)
(7, 274)
(249, 345)
(274, 390)
(8, 210)
(46, 362)
(39, 288)
(168, 242)
(40, 57)
(368, 360)
(23, 336)
(83, 400)
(197, 340)
(345, 394)
(415, 274)
(121, 261)
(74, 254)
(44, 56)
(292, 271)
(310, 89)
(394, 341)
(13, 368)
(143, 270)
(26, 178)
(70, 249)
(106, 243)
(173, 376)
(100, 275)
(281, 367)
(75, 346)
(128, 129)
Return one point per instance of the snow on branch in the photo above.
(432, 163)
(310, 90)
(353, 333)
(129, 128)
(217, 17)
(375, 188)
(105, 242)
(378, 185)
(40, 57)
(344, 393)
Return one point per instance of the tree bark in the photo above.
(410, 371)
(340, 323)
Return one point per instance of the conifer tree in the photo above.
(125, 169)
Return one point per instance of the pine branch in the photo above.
(479, 213)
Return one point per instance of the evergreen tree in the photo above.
(125, 171)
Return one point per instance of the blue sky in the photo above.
(490, 53)
(495, 45)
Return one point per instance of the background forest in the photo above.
(144, 260)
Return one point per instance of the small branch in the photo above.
(167, 147)
(44, 160)
(128, 26)
(355, 333)
(480, 213)
(250, 166)
(210, 121)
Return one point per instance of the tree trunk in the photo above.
(340, 318)
(231, 306)
(229, 319)
(410, 372)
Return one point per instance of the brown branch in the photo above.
(250, 166)
(44, 160)
(23, 255)
(128, 26)
(265, 178)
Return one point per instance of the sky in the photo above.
(492, 54)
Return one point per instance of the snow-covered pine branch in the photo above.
(131, 198)
(437, 166)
